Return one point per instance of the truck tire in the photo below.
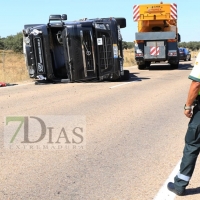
(141, 67)
(147, 64)
(174, 66)
(189, 58)
(121, 22)
(125, 77)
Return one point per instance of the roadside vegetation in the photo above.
(14, 43)
(12, 67)
(12, 62)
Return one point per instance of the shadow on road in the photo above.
(192, 191)
(166, 66)
(160, 67)
(134, 77)
(185, 66)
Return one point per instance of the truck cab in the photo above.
(74, 51)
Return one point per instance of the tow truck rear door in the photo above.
(154, 49)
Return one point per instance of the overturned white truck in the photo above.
(83, 50)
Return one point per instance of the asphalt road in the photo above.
(133, 140)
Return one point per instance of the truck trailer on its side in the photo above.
(157, 37)
(75, 51)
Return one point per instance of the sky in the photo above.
(15, 14)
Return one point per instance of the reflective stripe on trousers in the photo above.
(183, 177)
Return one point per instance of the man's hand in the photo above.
(192, 94)
(188, 113)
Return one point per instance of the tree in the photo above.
(130, 45)
(192, 45)
(182, 44)
(124, 45)
(14, 42)
(18, 43)
(127, 45)
(1, 43)
(8, 42)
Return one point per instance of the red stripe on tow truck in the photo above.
(173, 8)
(154, 51)
(136, 14)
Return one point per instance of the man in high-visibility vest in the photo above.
(192, 137)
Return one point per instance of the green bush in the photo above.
(190, 45)
(1, 43)
(15, 43)
(12, 42)
(127, 45)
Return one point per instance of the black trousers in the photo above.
(190, 152)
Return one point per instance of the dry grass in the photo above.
(12, 67)
(129, 57)
(194, 54)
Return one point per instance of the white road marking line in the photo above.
(164, 193)
(122, 84)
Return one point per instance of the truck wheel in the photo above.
(121, 22)
(125, 77)
(147, 64)
(141, 67)
(174, 66)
